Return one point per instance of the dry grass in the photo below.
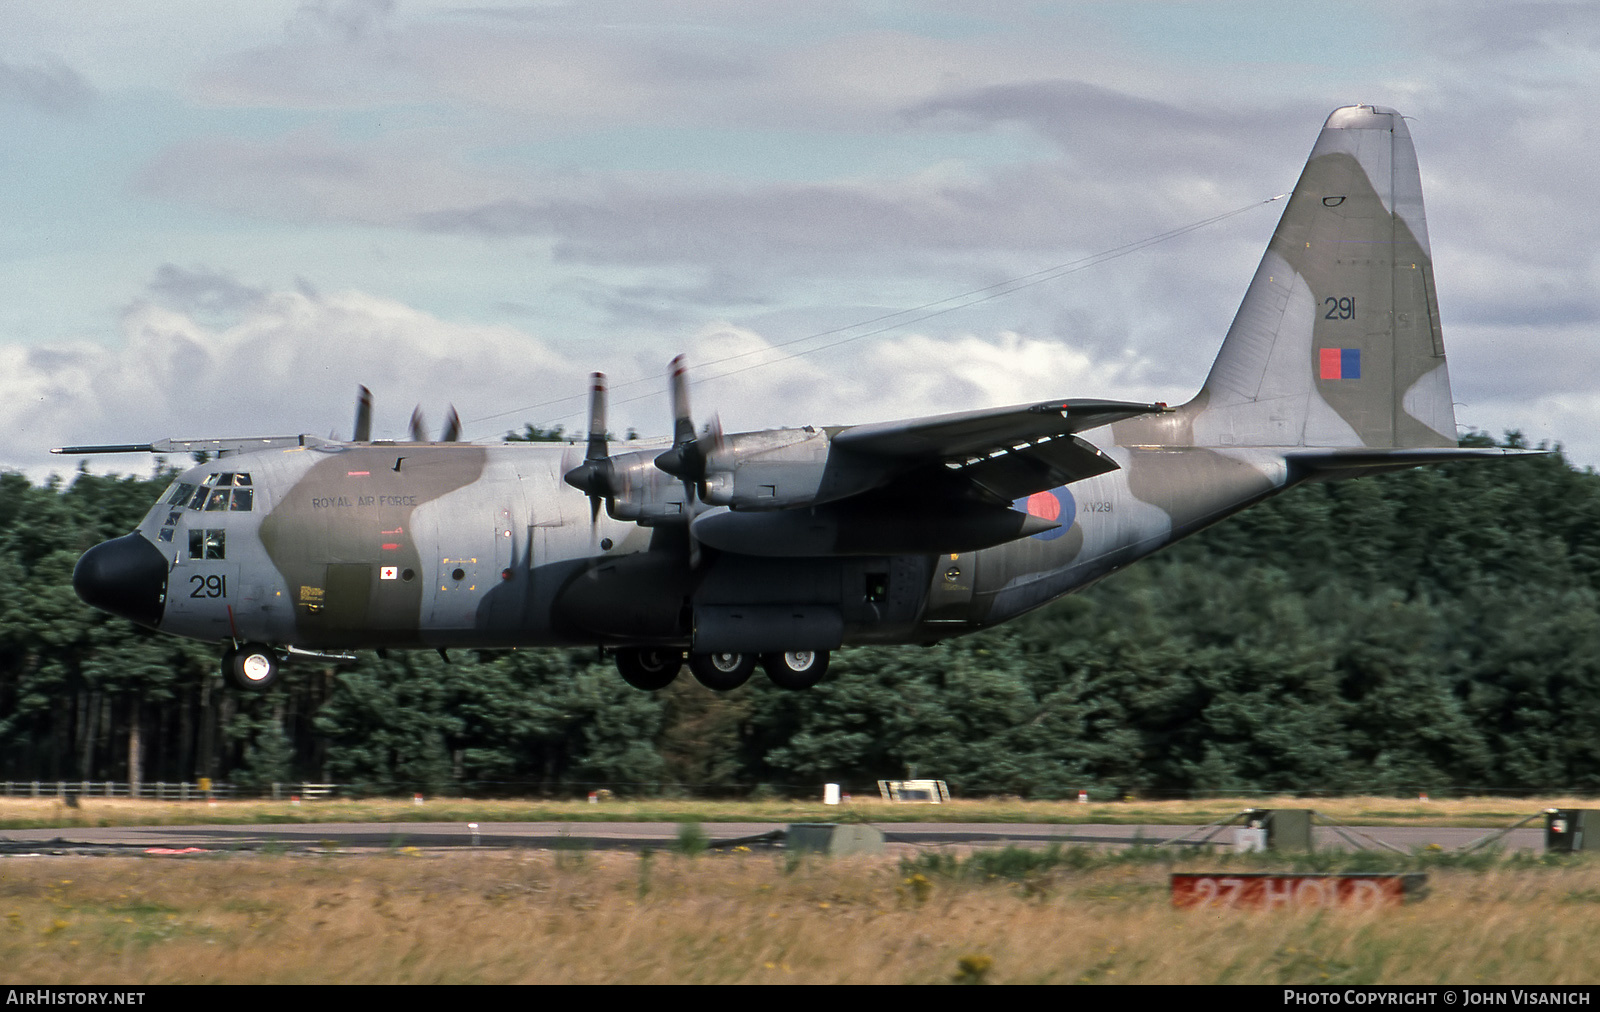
(24, 813)
(531, 917)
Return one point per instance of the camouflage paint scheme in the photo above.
(817, 537)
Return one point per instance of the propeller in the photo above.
(599, 478)
(689, 454)
(595, 477)
(419, 426)
(363, 426)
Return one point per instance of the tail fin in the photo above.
(1337, 342)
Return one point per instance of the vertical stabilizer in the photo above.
(1337, 342)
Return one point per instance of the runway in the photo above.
(458, 836)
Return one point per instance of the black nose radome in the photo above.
(127, 577)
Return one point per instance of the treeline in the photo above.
(1430, 630)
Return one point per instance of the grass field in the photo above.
(591, 917)
(46, 813)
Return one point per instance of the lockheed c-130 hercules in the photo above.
(782, 545)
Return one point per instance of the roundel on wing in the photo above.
(1057, 504)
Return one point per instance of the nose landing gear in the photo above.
(250, 666)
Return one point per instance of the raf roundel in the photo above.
(1056, 504)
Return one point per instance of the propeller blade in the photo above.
(363, 427)
(419, 426)
(597, 417)
(682, 424)
(683, 461)
(452, 427)
(595, 477)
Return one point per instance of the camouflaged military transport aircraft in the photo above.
(780, 546)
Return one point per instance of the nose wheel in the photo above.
(250, 666)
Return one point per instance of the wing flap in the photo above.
(1037, 467)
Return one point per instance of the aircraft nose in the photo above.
(126, 577)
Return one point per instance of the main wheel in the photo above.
(251, 666)
(797, 669)
(649, 668)
(722, 672)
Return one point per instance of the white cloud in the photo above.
(752, 384)
(291, 363)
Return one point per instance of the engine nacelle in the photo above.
(777, 469)
(644, 494)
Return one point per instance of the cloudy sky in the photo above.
(220, 219)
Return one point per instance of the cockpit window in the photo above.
(222, 492)
(207, 543)
(179, 494)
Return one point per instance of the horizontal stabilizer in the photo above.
(1351, 462)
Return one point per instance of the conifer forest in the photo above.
(1435, 629)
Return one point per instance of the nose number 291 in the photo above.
(215, 585)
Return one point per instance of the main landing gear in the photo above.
(797, 669)
(652, 668)
(250, 666)
(722, 672)
(649, 668)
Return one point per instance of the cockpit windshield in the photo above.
(220, 492)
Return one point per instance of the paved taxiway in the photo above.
(662, 835)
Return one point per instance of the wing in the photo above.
(926, 485)
(1002, 453)
(218, 446)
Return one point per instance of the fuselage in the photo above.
(374, 545)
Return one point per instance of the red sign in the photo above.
(1269, 892)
